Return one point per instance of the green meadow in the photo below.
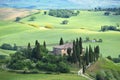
(86, 24)
(15, 76)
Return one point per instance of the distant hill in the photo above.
(59, 4)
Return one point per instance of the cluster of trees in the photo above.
(8, 46)
(81, 56)
(108, 10)
(93, 40)
(37, 59)
(116, 60)
(106, 28)
(63, 13)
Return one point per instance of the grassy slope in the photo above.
(105, 66)
(13, 76)
(21, 34)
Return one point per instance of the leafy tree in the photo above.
(17, 19)
(107, 13)
(65, 22)
(45, 12)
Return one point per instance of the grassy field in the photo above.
(87, 24)
(14, 76)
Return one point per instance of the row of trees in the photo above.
(63, 13)
(106, 28)
(116, 60)
(82, 56)
(37, 58)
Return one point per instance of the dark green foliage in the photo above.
(97, 52)
(69, 51)
(106, 28)
(44, 44)
(61, 41)
(45, 12)
(36, 53)
(15, 47)
(116, 60)
(7, 46)
(107, 13)
(63, 68)
(74, 56)
(65, 22)
(90, 54)
(63, 13)
(87, 56)
(32, 18)
(29, 59)
(17, 19)
(100, 77)
(2, 57)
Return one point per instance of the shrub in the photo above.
(17, 19)
(65, 22)
(63, 68)
(6, 46)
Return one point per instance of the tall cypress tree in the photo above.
(87, 56)
(90, 54)
(80, 44)
(97, 52)
(29, 51)
(61, 41)
(44, 44)
(74, 56)
(36, 53)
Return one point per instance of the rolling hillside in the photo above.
(87, 24)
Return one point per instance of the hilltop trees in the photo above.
(63, 13)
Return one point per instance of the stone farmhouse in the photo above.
(62, 49)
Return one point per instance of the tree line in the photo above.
(113, 28)
(63, 13)
(82, 56)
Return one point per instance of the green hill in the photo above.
(106, 69)
(86, 24)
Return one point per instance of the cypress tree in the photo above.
(97, 52)
(44, 44)
(74, 56)
(29, 51)
(90, 54)
(87, 56)
(61, 41)
(80, 44)
(36, 53)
